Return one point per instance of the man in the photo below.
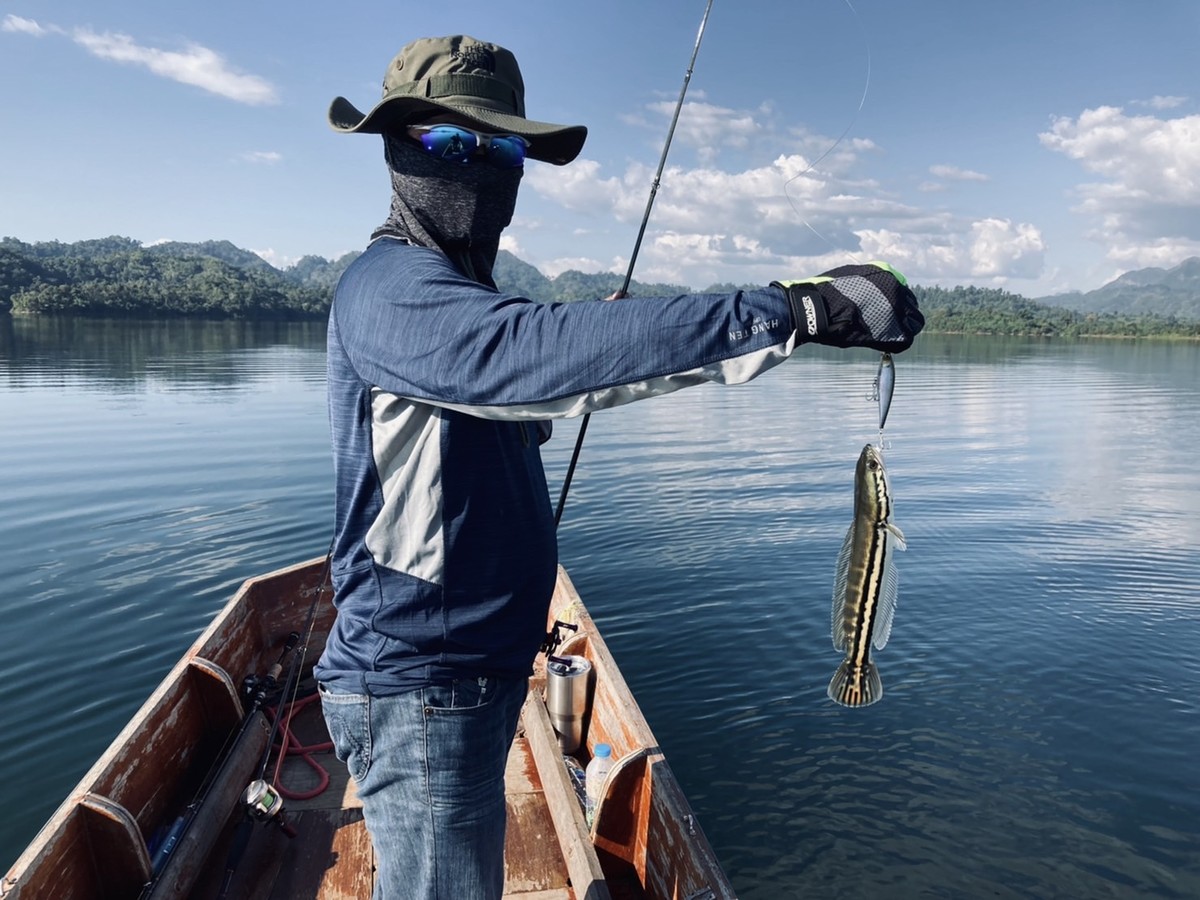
(440, 386)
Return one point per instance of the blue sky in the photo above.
(1038, 146)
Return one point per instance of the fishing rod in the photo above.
(637, 245)
(257, 692)
(262, 801)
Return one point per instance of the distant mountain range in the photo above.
(118, 276)
(1163, 292)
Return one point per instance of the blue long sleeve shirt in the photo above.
(444, 555)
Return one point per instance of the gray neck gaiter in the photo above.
(458, 208)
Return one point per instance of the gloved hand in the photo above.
(855, 306)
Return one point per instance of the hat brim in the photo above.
(557, 144)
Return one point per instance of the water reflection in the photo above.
(115, 355)
(1040, 713)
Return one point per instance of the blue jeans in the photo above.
(429, 768)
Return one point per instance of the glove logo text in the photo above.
(810, 315)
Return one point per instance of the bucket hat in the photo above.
(458, 74)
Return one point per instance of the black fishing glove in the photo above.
(855, 306)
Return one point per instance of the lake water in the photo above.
(1039, 730)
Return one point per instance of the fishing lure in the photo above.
(883, 388)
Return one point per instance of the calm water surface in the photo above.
(1039, 728)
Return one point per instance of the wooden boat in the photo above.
(162, 812)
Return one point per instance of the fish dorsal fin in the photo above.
(889, 589)
(840, 578)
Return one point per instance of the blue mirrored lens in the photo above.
(506, 152)
(455, 144)
(449, 142)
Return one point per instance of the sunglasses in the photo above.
(457, 144)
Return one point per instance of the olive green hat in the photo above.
(469, 78)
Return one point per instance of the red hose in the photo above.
(289, 745)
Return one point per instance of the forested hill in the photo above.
(118, 276)
(974, 310)
(1164, 292)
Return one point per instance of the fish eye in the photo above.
(872, 464)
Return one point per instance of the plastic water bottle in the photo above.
(593, 779)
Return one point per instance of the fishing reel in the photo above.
(258, 690)
(555, 637)
(265, 804)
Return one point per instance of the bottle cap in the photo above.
(602, 750)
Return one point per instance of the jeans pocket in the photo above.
(461, 695)
(348, 718)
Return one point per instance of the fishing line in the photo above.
(881, 383)
(841, 137)
(291, 686)
(662, 161)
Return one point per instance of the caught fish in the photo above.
(885, 384)
(864, 589)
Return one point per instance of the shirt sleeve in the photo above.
(411, 325)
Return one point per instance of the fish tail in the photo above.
(855, 685)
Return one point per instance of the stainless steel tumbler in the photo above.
(567, 682)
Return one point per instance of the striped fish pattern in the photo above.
(865, 586)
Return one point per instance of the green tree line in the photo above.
(976, 310)
(118, 277)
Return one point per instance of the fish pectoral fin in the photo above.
(889, 590)
(840, 578)
(897, 535)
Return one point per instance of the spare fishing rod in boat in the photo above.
(257, 690)
(258, 804)
(297, 648)
(261, 801)
(637, 246)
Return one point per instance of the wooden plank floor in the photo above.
(534, 868)
(331, 856)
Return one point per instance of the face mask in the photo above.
(460, 208)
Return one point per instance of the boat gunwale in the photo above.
(650, 798)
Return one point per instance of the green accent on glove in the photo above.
(816, 279)
(887, 268)
(821, 279)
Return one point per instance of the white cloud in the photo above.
(1160, 102)
(809, 206)
(556, 267)
(1164, 253)
(953, 173)
(708, 128)
(17, 25)
(752, 225)
(1146, 204)
(992, 250)
(265, 157)
(1000, 249)
(194, 65)
(278, 260)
